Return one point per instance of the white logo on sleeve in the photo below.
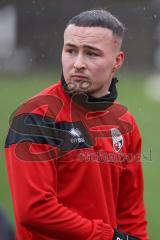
(117, 140)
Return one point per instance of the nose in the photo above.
(79, 62)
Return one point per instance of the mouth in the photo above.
(79, 83)
(78, 77)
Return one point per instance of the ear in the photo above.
(118, 61)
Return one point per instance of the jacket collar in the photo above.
(90, 102)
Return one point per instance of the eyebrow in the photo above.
(84, 46)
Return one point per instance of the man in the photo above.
(72, 152)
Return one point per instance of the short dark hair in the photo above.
(99, 18)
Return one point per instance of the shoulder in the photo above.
(43, 101)
(41, 108)
(34, 116)
(130, 118)
(126, 116)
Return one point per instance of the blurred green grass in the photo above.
(16, 88)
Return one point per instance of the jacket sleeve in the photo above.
(33, 182)
(131, 216)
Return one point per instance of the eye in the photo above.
(92, 54)
(70, 50)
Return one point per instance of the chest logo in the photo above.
(76, 134)
(117, 139)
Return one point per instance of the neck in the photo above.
(93, 102)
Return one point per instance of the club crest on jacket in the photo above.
(117, 139)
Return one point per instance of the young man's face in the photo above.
(90, 57)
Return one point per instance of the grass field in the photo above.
(16, 88)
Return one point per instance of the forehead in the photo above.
(89, 35)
